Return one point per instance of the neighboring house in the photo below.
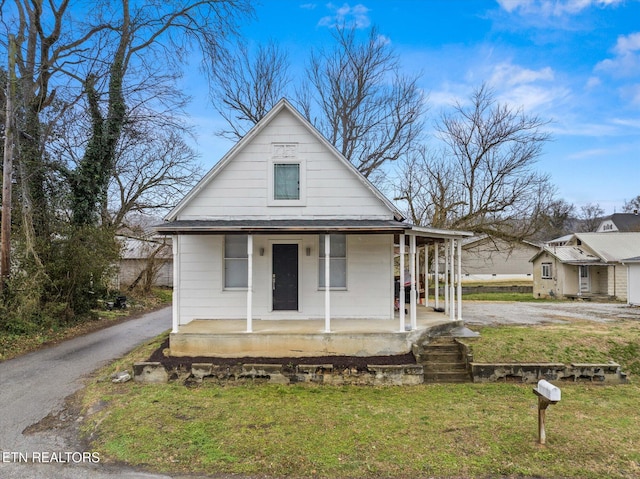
(633, 280)
(258, 236)
(488, 259)
(145, 261)
(588, 264)
(620, 222)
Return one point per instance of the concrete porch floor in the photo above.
(306, 338)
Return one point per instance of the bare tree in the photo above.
(632, 206)
(590, 217)
(245, 87)
(149, 176)
(484, 178)
(358, 98)
(556, 221)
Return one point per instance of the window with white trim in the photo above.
(236, 261)
(546, 271)
(286, 181)
(338, 264)
(287, 176)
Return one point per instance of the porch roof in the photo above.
(313, 226)
(309, 226)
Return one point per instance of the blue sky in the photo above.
(575, 63)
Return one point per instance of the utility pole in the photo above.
(7, 170)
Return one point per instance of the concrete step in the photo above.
(443, 362)
(445, 367)
(442, 357)
(444, 377)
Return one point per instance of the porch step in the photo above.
(443, 362)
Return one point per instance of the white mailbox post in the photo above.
(547, 394)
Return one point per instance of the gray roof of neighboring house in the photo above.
(139, 248)
(625, 222)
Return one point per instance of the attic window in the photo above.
(286, 181)
(287, 176)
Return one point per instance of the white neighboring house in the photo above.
(633, 280)
(251, 240)
(145, 260)
(493, 259)
(586, 265)
(620, 223)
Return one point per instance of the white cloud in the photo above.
(553, 8)
(356, 16)
(626, 61)
(507, 74)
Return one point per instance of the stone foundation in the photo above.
(373, 375)
(608, 373)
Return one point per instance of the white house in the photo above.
(586, 265)
(256, 239)
(492, 259)
(633, 280)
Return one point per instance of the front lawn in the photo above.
(466, 430)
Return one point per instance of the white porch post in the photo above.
(580, 280)
(447, 306)
(436, 259)
(327, 283)
(459, 280)
(412, 269)
(452, 293)
(417, 274)
(426, 276)
(401, 293)
(249, 283)
(175, 313)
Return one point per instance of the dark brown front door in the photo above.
(285, 277)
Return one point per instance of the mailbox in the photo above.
(548, 391)
(547, 394)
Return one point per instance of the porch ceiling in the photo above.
(281, 226)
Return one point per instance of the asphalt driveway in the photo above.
(35, 385)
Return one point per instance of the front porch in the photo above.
(228, 338)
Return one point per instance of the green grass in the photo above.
(574, 341)
(319, 431)
(467, 430)
(499, 297)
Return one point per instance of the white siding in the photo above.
(369, 280)
(241, 188)
(634, 284)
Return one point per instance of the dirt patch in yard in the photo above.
(338, 362)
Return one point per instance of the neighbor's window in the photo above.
(286, 181)
(338, 263)
(546, 271)
(235, 261)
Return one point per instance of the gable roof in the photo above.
(604, 248)
(624, 222)
(283, 104)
